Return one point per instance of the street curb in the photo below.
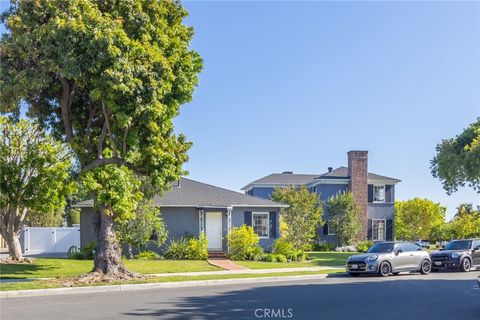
(147, 286)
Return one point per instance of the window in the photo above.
(379, 193)
(378, 229)
(331, 230)
(260, 224)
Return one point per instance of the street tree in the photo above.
(457, 162)
(303, 216)
(416, 218)
(106, 77)
(34, 178)
(344, 216)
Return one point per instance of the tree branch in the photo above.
(102, 162)
(101, 140)
(90, 120)
(124, 146)
(107, 116)
(65, 103)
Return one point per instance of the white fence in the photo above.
(50, 240)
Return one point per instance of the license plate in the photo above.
(354, 266)
(438, 263)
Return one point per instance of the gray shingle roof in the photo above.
(303, 179)
(192, 193)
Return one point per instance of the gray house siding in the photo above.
(325, 192)
(184, 220)
(261, 192)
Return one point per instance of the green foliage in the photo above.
(283, 247)
(303, 216)
(187, 249)
(44, 219)
(85, 253)
(415, 218)
(280, 258)
(270, 257)
(147, 255)
(243, 244)
(344, 217)
(363, 246)
(73, 216)
(324, 246)
(466, 223)
(457, 161)
(147, 226)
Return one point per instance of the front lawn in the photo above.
(47, 284)
(317, 259)
(56, 268)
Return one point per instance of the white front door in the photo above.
(213, 230)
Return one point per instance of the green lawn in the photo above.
(46, 284)
(55, 268)
(317, 259)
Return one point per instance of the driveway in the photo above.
(444, 295)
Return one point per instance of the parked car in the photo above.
(423, 243)
(390, 257)
(458, 254)
(478, 281)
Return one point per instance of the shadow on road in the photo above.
(362, 299)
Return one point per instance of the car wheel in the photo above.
(396, 273)
(354, 274)
(426, 267)
(384, 269)
(466, 265)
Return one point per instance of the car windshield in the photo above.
(381, 248)
(458, 245)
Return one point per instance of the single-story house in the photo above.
(192, 207)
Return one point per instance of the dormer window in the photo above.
(379, 193)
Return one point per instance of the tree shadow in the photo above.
(362, 299)
(21, 270)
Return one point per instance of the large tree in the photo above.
(457, 161)
(107, 77)
(344, 217)
(416, 218)
(34, 178)
(302, 217)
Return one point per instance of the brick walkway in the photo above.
(226, 264)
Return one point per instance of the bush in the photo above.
(363, 246)
(187, 249)
(346, 249)
(147, 255)
(85, 253)
(281, 258)
(324, 246)
(270, 257)
(243, 244)
(282, 246)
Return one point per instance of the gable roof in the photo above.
(191, 193)
(282, 179)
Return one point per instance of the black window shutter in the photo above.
(273, 224)
(248, 218)
(389, 232)
(388, 193)
(370, 193)
(369, 229)
(325, 228)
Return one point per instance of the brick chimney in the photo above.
(358, 173)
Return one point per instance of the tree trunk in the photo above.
(14, 247)
(108, 257)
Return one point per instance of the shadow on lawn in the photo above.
(13, 271)
(362, 299)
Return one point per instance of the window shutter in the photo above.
(273, 224)
(369, 229)
(388, 193)
(370, 193)
(325, 228)
(389, 233)
(248, 218)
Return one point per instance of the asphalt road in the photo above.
(438, 296)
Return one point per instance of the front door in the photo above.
(213, 230)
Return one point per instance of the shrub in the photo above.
(281, 258)
(270, 257)
(363, 246)
(147, 255)
(282, 246)
(85, 253)
(243, 244)
(297, 255)
(346, 249)
(188, 249)
(323, 246)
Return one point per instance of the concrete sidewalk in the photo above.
(246, 271)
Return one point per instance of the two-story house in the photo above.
(374, 194)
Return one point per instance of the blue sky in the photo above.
(295, 85)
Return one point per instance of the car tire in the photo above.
(385, 269)
(465, 265)
(426, 267)
(354, 274)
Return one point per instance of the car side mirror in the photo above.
(398, 251)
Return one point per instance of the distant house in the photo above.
(374, 193)
(192, 207)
